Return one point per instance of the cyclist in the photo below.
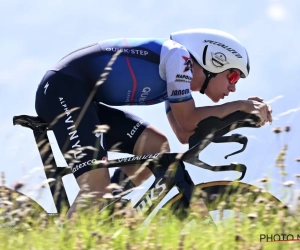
(144, 72)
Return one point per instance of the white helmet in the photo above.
(214, 50)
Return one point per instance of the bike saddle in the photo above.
(32, 122)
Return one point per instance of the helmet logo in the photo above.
(188, 64)
(218, 59)
(224, 47)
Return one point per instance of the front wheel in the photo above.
(224, 197)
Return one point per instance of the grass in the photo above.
(256, 228)
(250, 226)
(89, 230)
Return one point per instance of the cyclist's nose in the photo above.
(232, 87)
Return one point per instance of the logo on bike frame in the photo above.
(152, 196)
(134, 158)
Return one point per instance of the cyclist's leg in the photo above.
(130, 133)
(57, 95)
(151, 141)
(157, 143)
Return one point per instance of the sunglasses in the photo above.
(233, 77)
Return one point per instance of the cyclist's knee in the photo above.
(163, 141)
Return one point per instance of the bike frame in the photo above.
(168, 168)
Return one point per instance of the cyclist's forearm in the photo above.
(189, 116)
(220, 111)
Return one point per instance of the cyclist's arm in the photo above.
(188, 116)
(176, 66)
(181, 136)
(185, 129)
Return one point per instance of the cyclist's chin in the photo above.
(214, 98)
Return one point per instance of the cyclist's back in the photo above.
(138, 73)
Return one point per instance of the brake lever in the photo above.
(233, 138)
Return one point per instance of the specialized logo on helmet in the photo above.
(188, 64)
(218, 59)
(225, 47)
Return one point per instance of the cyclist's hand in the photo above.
(259, 108)
(270, 119)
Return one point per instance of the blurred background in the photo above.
(36, 34)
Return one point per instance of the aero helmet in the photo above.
(215, 50)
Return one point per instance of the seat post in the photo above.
(51, 170)
(40, 128)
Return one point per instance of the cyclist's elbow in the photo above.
(182, 137)
(187, 127)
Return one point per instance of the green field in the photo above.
(259, 229)
(258, 225)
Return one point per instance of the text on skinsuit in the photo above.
(84, 164)
(129, 51)
(180, 76)
(180, 92)
(145, 93)
(74, 137)
(128, 96)
(73, 133)
(142, 157)
(135, 128)
(225, 47)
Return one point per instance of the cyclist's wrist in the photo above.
(242, 105)
(239, 105)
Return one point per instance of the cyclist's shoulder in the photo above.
(162, 46)
(172, 45)
(172, 49)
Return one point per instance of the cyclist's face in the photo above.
(219, 86)
(198, 77)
